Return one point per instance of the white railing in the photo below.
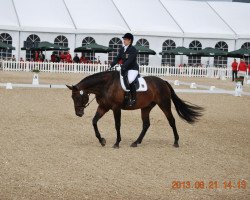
(211, 72)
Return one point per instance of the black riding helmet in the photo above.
(129, 36)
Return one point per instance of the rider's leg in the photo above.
(132, 74)
(133, 94)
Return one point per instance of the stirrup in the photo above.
(131, 102)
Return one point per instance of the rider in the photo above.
(129, 68)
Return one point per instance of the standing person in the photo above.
(242, 70)
(234, 69)
(36, 56)
(13, 58)
(68, 58)
(76, 59)
(129, 69)
(53, 57)
(43, 57)
(62, 56)
(40, 58)
(249, 68)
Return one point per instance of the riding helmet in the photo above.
(129, 36)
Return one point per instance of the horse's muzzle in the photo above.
(80, 112)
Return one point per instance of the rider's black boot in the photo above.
(132, 99)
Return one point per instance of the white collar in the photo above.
(125, 48)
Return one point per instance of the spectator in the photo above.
(62, 57)
(234, 70)
(36, 56)
(43, 57)
(13, 58)
(58, 59)
(83, 59)
(249, 68)
(53, 57)
(76, 59)
(68, 57)
(21, 59)
(242, 70)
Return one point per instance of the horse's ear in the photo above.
(70, 87)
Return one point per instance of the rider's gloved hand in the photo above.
(110, 67)
(123, 71)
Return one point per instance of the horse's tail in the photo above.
(185, 110)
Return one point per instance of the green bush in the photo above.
(36, 70)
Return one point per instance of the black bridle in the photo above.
(81, 93)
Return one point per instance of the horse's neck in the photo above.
(94, 84)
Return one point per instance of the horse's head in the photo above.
(80, 99)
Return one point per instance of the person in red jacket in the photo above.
(68, 58)
(234, 70)
(62, 57)
(242, 70)
(36, 56)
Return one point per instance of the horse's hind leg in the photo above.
(166, 108)
(146, 123)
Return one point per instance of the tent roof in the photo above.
(148, 17)
(236, 15)
(95, 16)
(8, 18)
(44, 16)
(192, 19)
(198, 19)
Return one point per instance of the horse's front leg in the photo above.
(99, 113)
(117, 116)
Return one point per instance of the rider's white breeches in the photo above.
(132, 74)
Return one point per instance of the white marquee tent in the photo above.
(153, 20)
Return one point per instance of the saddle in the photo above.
(140, 83)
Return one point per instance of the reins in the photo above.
(85, 106)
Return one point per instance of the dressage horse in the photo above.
(110, 96)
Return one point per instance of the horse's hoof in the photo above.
(116, 146)
(176, 145)
(134, 144)
(103, 142)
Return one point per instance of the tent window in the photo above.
(168, 59)
(116, 44)
(218, 60)
(7, 39)
(142, 59)
(246, 45)
(195, 60)
(62, 41)
(86, 41)
(31, 39)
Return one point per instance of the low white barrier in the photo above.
(211, 72)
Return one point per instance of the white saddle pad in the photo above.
(142, 84)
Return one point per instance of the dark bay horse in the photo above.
(110, 96)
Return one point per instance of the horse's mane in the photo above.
(99, 77)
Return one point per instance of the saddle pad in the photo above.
(142, 85)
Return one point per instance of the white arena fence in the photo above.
(211, 72)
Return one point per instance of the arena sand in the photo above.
(46, 152)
